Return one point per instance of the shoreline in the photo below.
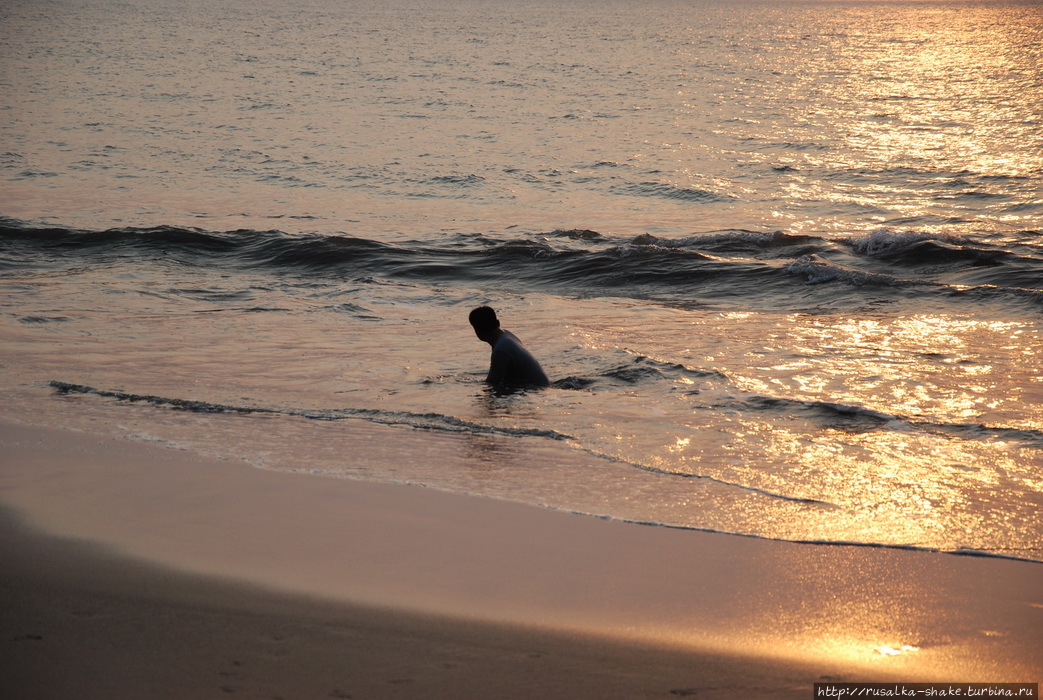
(744, 613)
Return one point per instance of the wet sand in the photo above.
(135, 570)
(82, 622)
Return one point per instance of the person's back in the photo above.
(511, 364)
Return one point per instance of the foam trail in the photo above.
(959, 551)
(422, 421)
(878, 420)
(703, 477)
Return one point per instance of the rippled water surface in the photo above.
(783, 261)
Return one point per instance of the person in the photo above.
(511, 364)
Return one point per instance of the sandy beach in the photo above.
(135, 570)
(82, 622)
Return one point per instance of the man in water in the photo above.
(511, 364)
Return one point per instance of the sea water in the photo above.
(781, 260)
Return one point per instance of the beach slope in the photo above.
(136, 570)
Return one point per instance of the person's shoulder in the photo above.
(508, 338)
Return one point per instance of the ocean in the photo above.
(782, 261)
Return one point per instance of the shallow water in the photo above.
(783, 262)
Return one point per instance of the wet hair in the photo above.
(484, 319)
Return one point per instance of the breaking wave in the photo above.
(753, 269)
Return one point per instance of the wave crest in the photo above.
(731, 267)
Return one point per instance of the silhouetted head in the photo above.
(486, 325)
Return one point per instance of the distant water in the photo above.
(783, 261)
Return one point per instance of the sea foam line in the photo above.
(705, 477)
(422, 421)
(959, 551)
(879, 420)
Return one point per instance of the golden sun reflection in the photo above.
(925, 367)
(921, 93)
(902, 430)
(681, 444)
(895, 651)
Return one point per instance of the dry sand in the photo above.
(132, 570)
